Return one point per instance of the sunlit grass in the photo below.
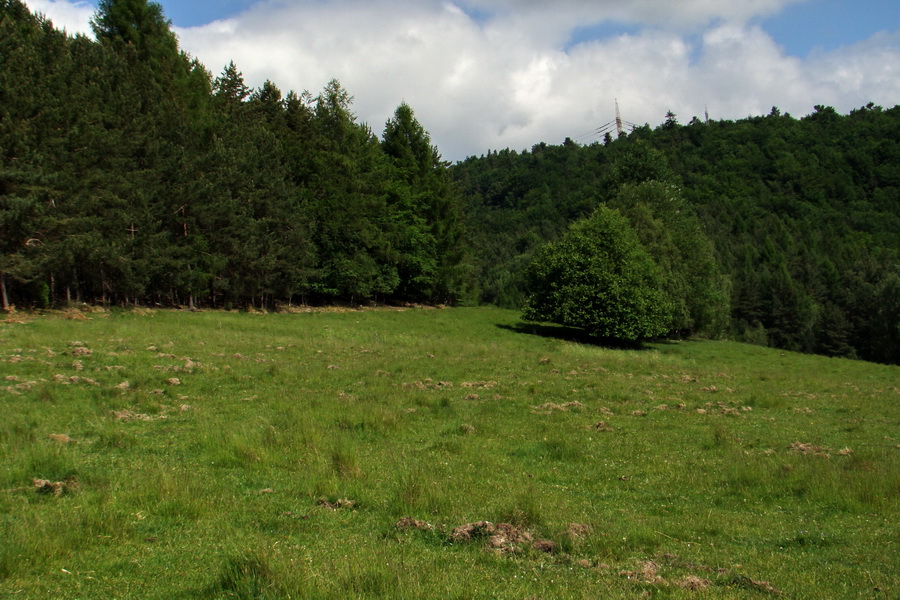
(211, 455)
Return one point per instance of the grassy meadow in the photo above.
(357, 454)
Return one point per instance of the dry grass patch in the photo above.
(55, 488)
(128, 415)
(501, 538)
(411, 523)
(801, 448)
(693, 583)
(552, 406)
(340, 503)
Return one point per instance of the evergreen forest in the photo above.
(129, 174)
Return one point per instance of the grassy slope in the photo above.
(274, 412)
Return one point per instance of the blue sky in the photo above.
(185, 13)
(490, 74)
(829, 24)
(813, 25)
(799, 28)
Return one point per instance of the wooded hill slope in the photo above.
(804, 215)
(128, 174)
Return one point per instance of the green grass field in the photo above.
(226, 455)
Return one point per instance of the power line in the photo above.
(617, 125)
(606, 127)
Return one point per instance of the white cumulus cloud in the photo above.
(74, 17)
(489, 74)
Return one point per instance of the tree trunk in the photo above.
(3, 290)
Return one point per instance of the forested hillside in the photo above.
(804, 216)
(128, 174)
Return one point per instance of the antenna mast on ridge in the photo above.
(618, 120)
(619, 123)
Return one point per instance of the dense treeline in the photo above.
(803, 214)
(128, 174)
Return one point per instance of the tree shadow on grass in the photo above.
(573, 334)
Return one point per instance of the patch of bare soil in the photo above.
(552, 406)
(128, 415)
(73, 379)
(427, 384)
(21, 386)
(547, 546)
(13, 317)
(61, 438)
(647, 572)
(411, 523)
(751, 584)
(602, 426)
(502, 538)
(57, 488)
(578, 530)
(484, 385)
(802, 448)
(734, 408)
(692, 583)
(337, 504)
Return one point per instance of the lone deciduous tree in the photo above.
(599, 277)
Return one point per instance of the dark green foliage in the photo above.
(671, 232)
(129, 175)
(803, 217)
(599, 277)
(427, 235)
(137, 23)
